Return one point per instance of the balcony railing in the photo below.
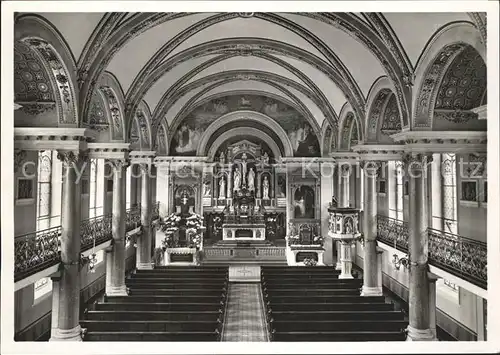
(393, 232)
(39, 250)
(460, 256)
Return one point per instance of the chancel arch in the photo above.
(245, 117)
(241, 134)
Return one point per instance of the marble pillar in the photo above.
(144, 240)
(344, 173)
(67, 308)
(419, 328)
(371, 285)
(116, 285)
(326, 193)
(345, 260)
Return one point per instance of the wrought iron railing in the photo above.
(36, 251)
(41, 249)
(460, 256)
(393, 232)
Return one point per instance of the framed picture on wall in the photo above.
(469, 192)
(381, 186)
(25, 192)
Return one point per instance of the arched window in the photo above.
(449, 193)
(93, 188)
(44, 190)
(399, 190)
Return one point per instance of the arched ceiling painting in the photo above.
(301, 134)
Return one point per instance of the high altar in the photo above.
(248, 176)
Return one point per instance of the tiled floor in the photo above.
(245, 314)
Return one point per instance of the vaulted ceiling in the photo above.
(319, 60)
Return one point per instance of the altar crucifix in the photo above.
(245, 178)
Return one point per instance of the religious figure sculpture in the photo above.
(222, 188)
(244, 166)
(222, 158)
(265, 158)
(206, 188)
(265, 188)
(237, 180)
(251, 180)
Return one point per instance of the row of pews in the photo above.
(164, 304)
(312, 304)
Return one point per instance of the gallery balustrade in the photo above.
(39, 250)
(460, 256)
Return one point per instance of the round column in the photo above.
(144, 240)
(116, 285)
(419, 303)
(371, 286)
(68, 294)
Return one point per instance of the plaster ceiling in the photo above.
(356, 61)
(75, 27)
(414, 30)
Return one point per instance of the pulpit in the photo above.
(344, 227)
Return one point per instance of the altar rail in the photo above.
(39, 250)
(244, 253)
(456, 254)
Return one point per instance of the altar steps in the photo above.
(164, 304)
(312, 304)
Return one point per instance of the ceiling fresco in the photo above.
(304, 141)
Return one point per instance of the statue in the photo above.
(251, 180)
(206, 188)
(222, 188)
(265, 158)
(334, 202)
(222, 158)
(236, 180)
(265, 188)
(244, 166)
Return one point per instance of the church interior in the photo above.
(255, 176)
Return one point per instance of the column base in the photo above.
(346, 276)
(117, 291)
(338, 266)
(74, 334)
(371, 291)
(420, 334)
(144, 266)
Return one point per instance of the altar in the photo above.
(243, 231)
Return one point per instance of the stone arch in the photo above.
(243, 131)
(354, 134)
(42, 37)
(194, 102)
(99, 117)
(378, 96)
(243, 46)
(267, 77)
(112, 91)
(143, 120)
(441, 50)
(246, 116)
(345, 131)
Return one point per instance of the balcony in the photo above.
(460, 256)
(37, 251)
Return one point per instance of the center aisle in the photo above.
(245, 314)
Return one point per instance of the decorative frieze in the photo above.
(455, 116)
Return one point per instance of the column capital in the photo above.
(119, 164)
(372, 168)
(416, 160)
(72, 156)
